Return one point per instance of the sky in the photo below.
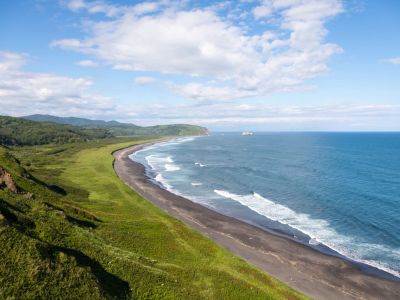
(269, 65)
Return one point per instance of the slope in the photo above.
(85, 233)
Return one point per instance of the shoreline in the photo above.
(307, 270)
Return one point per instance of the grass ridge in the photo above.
(101, 240)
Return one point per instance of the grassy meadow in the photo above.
(77, 232)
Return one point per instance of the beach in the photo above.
(315, 274)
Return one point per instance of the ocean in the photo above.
(336, 192)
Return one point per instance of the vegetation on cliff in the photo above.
(71, 227)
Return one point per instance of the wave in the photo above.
(184, 140)
(171, 168)
(319, 230)
(199, 164)
(175, 141)
(147, 148)
(196, 183)
(161, 180)
(155, 161)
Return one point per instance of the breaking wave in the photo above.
(319, 231)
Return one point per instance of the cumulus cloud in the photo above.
(225, 115)
(94, 7)
(87, 63)
(263, 10)
(202, 43)
(11, 61)
(112, 10)
(143, 80)
(205, 92)
(24, 92)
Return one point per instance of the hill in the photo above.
(77, 121)
(123, 129)
(20, 132)
(69, 226)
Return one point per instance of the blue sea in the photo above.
(336, 192)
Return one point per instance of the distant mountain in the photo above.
(21, 132)
(123, 129)
(82, 122)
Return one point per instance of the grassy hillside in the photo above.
(17, 131)
(85, 234)
(124, 129)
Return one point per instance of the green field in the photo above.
(80, 233)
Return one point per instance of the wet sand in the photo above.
(317, 275)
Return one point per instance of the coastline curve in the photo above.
(317, 275)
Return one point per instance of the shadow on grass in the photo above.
(5, 211)
(20, 222)
(9, 206)
(77, 211)
(113, 286)
(81, 223)
(55, 188)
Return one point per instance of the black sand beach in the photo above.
(315, 274)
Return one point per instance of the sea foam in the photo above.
(155, 161)
(171, 167)
(318, 230)
(161, 180)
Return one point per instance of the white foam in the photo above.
(175, 141)
(171, 168)
(155, 161)
(199, 164)
(185, 140)
(143, 150)
(160, 179)
(318, 230)
(196, 183)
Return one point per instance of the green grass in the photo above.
(87, 234)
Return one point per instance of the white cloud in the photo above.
(204, 92)
(393, 60)
(11, 61)
(225, 116)
(112, 10)
(67, 43)
(143, 80)
(145, 7)
(24, 92)
(201, 43)
(75, 5)
(263, 10)
(87, 63)
(94, 7)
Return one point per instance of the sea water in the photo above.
(336, 192)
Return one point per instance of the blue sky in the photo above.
(228, 65)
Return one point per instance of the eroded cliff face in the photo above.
(6, 181)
